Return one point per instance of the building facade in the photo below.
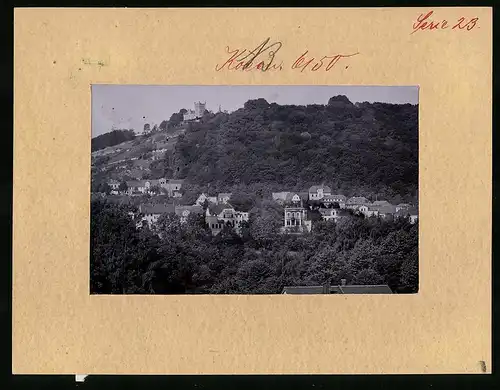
(319, 192)
(295, 220)
(333, 214)
(219, 215)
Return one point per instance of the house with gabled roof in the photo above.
(368, 210)
(114, 184)
(385, 211)
(185, 211)
(338, 289)
(410, 213)
(173, 187)
(288, 197)
(334, 198)
(204, 197)
(219, 215)
(356, 202)
(402, 206)
(318, 192)
(152, 212)
(333, 214)
(224, 197)
(381, 203)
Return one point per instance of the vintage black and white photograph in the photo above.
(254, 190)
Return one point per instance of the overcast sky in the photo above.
(131, 106)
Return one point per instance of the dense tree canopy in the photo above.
(187, 259)
(367, 148)
(112, 138)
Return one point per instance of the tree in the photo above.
(163, 125)
(409, 273)
(123, 187)
(156, 189)
(147, 128)
(112, 138)
(105, 188)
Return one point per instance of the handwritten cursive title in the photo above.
(265, 58)
(429, 22)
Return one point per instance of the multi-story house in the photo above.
(287, 197)
(152, 212)
(402, 206)
(136, 186)
(368, 210)
(385, 210)
(356, 202)
(295, 220)
(411, 213)
(204, 197)
(333, 214)
(331, 199)
(114, 185)
(319, 192)
(173, 187)
(224, 197)
(219, 215)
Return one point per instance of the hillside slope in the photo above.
(364, 148)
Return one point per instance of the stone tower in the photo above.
(199, 109)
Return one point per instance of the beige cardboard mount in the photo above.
(59, 328)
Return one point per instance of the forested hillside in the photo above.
(112, 138)
(366, 148)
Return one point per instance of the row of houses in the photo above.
(216, 215)
(137, 187)
(297, 207)
(150, 213)
(333, 207)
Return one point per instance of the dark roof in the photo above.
(192, 209)
(358, 200)
(304, 195)
(381, 203)
(303, 290)
(216, 209)
(340, 212)
(156, 208)
(368, 289)
(334, 197)
(385, 209)
(136, 183)
(406, 212)
(316, 188)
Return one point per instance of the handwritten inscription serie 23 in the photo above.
(429, 22)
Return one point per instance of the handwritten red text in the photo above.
(429, 22)
(326, 63)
